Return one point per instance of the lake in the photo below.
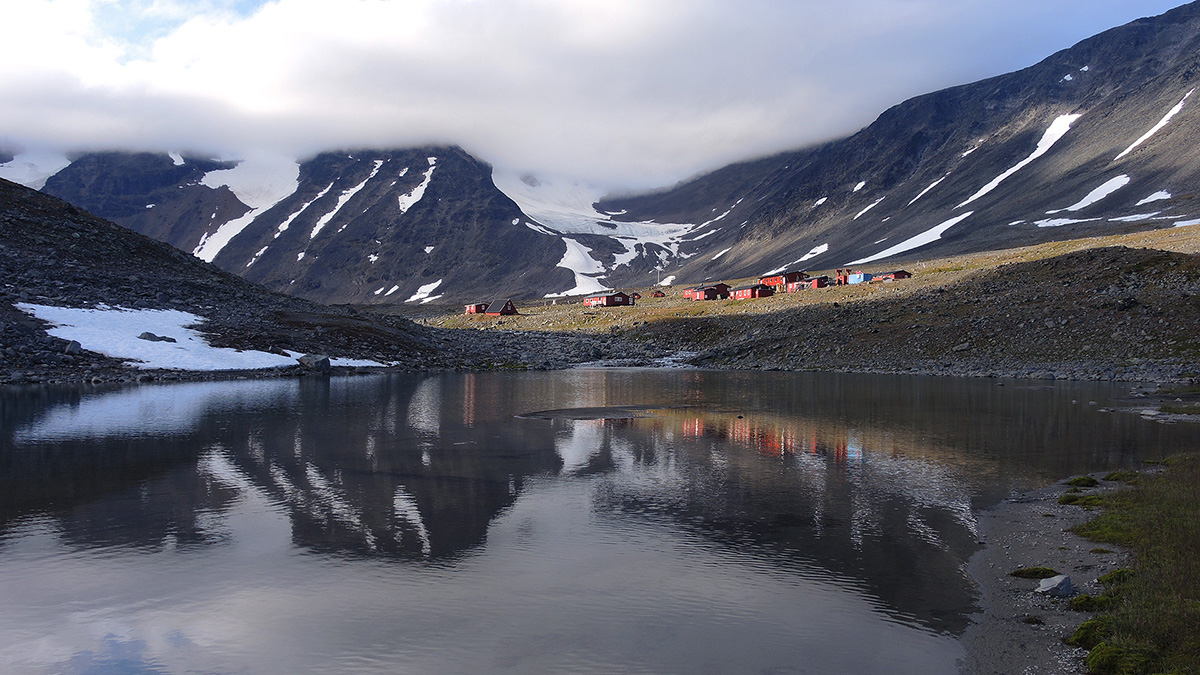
(580, 521)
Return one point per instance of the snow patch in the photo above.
(407, 201)
(1134, 218)
(722, 253)
(926, 237)
(860, 186)
(873, 205)
(580, 262)
(113, 331)
(569, 207)
(820, 201)
(423, 293)
(258, 255)
(393, 289)
(1057, 130)
(931, 186)
(176, 158)
(1186, 223)
(429, 249)
(32, 169)
(667, 281)
(373, 257)
(346, 196)
(1059, 222)
(1110, 186)
(260, 183)
(1157, 196)
(1157, 127)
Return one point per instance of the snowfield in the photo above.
(564, 208)
(114, 331)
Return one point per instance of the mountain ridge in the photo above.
(978, 166)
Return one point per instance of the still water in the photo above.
(653, 521)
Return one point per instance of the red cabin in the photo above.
(754, 291)
(707, 292)
(657, 294)
(611, 300)
(498, 308)
(477, 308)
(780, 281)
(892, 276)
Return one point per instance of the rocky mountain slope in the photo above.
(1096, 139)
(54, 255)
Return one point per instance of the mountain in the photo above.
(54, 256)
(1096, 139)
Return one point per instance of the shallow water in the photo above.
(586, 521)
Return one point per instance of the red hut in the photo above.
(892, 276)
(501, 308)
(657, 294)
(780, 282)
(753, 291)
(609, 300)
(477, 308)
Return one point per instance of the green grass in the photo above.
(1083, 482)
(1150, 624)
(1076, 499)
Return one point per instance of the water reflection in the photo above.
(847, 491)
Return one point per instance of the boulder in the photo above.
(147, 335)
(315, 362)
(1057, 587)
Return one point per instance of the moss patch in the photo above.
(1075, 499)
(1083, 481)
(1033, 573)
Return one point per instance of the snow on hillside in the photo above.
(31, 169)
(114, 331)
(407, 201)
(1058, 129)
(586, 269)
(1157, 127)
(926, 237)
(260, 183)
(568, 208)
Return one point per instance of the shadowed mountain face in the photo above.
(1096, 139)
(363, 227)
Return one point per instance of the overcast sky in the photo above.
(622, 93)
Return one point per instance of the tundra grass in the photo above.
(1150, 625)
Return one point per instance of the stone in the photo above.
(73, 348)
(147, 335)
(1057, 587)
(316, 362)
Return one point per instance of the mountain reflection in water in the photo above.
(858, 485)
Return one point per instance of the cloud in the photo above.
(621, 92)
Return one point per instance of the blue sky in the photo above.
(622, 93)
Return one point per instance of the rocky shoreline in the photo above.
(1018, 630)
